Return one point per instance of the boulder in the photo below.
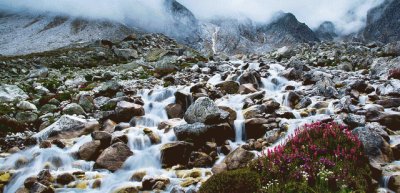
(68, 127)
(174, 111)
(26, 117)
(232, 114)
(204, 110)
(325, 87)
(375, 146)
(151, 183)
(200, 133)
(239, 158)
(166, 65)
(10, 93)
(388, 119)
(90, 151)
(30, 181)
(389, 103)
(103, 137)
(73, 109)
(253, 111)
(228, 87)
(109, 89)
(200, 160)
(292, 99)
(250, 77)
(65, 178)
(40, 188)
(153, 136)
(353, 120)
(155, 54)
(113, 157)
(40, 72)
(183, 99)
(359, 85)
(175, 153)
(256, 128)
(303, 103)
(247, 89)
(26, 106)
(127, 190)
(394, 183)
(126, 54)
(86, 102)
(389, 88)
(126, 110)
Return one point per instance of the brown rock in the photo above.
(113, 157)
(90, 151)
(175, 153)
(65, 178)
(239, 158)
(200, 159)
(174, 111)
(247, 89)
(126, 110)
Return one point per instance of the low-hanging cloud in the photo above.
(149, 14)
(348, 15)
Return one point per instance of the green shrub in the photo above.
(236, 181)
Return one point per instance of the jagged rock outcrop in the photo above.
(286, 30)
(326, 31)
(383, 22)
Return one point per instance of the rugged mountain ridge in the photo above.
(383, 23)
(224, 35)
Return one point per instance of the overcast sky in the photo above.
(348, 15)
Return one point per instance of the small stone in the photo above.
(73, 109)
(25, 105)
(65, 178)
(45, 144)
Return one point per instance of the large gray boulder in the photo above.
(10, 93)
(204, 110)
(73, 109)
(68, 126)
(389, 88)
(200, 133)
(375, 146)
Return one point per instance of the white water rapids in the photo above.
(146, 156)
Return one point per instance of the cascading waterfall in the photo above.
(214, 38)
(236, 103)
(385, 181)
(362, 100)
(147, 155)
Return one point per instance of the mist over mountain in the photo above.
(209, 26)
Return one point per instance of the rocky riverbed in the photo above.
(147, 114)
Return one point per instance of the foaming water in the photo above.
(215, 79)
(236, 103)
(146, 155)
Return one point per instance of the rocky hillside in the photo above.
(149, 114)
(383, 22)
